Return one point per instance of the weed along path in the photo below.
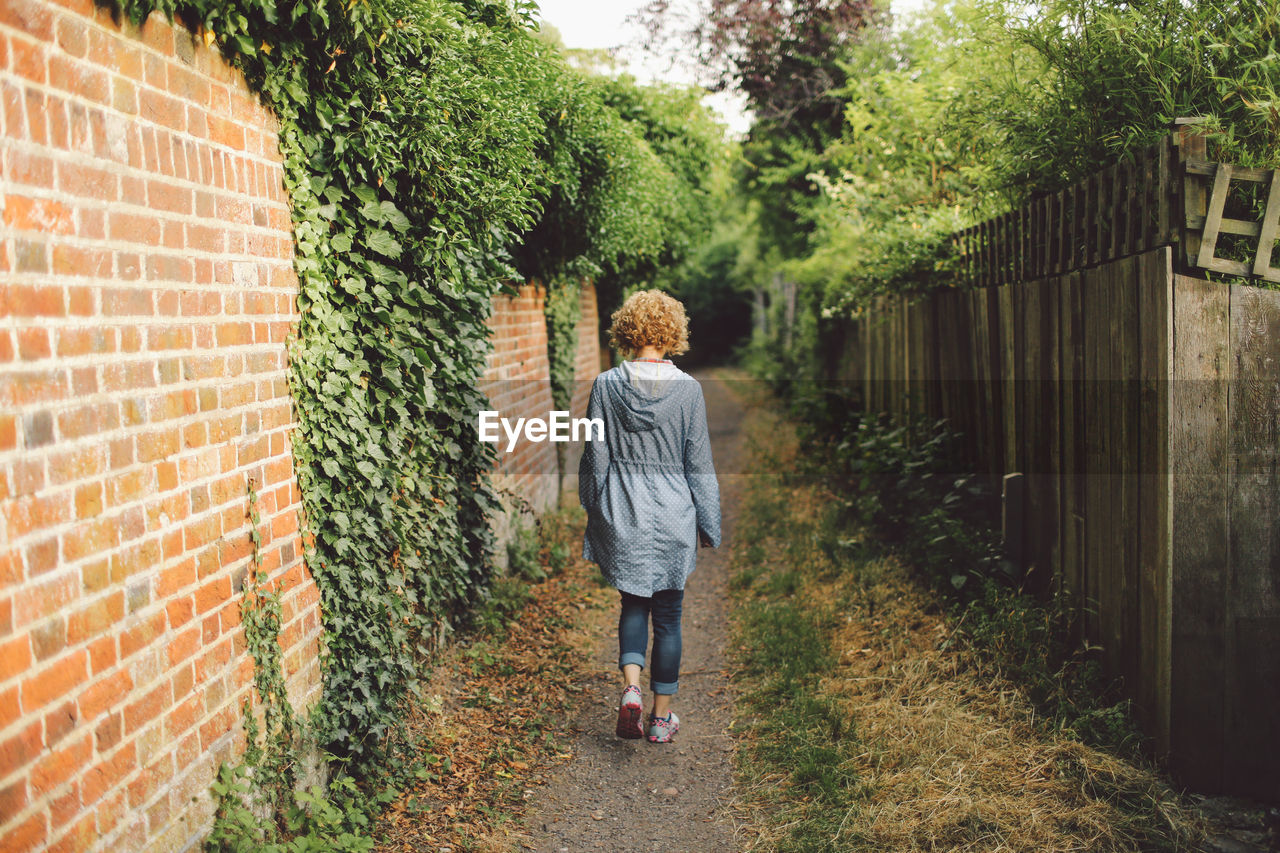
(625, 795)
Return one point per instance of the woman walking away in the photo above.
(651, 497)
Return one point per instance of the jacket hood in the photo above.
(641, 394)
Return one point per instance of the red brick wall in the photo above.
(517, 380)
(587, 362)
(148, 292)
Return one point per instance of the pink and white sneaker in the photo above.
(662, 730)
(629, 712)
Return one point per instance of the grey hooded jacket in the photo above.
(649, 487)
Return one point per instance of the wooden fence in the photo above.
(1142, 406)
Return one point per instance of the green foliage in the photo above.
(1110, 77)
(315, 821)
(563, 311)
(522, 555)
(966, 109)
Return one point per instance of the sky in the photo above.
(595, 24)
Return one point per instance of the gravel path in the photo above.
(621, 795)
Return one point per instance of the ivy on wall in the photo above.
(430, 147)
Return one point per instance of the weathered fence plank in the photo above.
(1252, 713)
(1155, 347)
(1199, 532)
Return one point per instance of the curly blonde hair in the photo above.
(650, 318)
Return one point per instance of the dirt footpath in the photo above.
(631, 795)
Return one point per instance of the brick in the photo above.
(110, 773)
(54, 768)
(31, 256)
(72, 35)
(88, 420)
(157, 445)
(132, 301)
(136, 559)
(133, 228)
(96, 619)
(84, 381)
(82, 301)
(170, 268)
(140, 636)
(36, 601)
(104, 694)
(183, 717)
(89, 500)
(31, 833)
(42, 215)
(124, 96)
(29, 59)
(42, 556)
(10, 566)
(10, 708)
(37, 429)
(108, 732)
(79, 464)
(33, 344)
(49, 639)
(184, 645)
(84, 341)
(59, 723)
(8, 432)
(55, 681)
(88, 182)
(15, 656)
(212, 594)
(162, 195)
(129, 375)
(34, 512)
(142, 711)
(13, 797)
(102, 654)
(77, 78)
(137, 596)
(157, 34)
(128, 266)
(90, 538)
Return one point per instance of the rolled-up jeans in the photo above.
(633, 636)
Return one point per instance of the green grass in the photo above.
(792, 728)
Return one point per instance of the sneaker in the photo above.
(661, 730)
(629, 713)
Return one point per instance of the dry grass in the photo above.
(947, 756)
(957, 762)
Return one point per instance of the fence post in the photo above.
(1191, 143)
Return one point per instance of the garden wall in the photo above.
(517, 380)
(148, 292)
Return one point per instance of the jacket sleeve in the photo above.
(594, 464)
(700, 472)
